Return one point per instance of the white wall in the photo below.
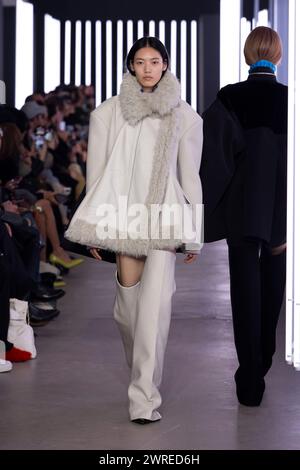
(281, 21)
(1, 40)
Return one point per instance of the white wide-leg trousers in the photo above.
(143, 314)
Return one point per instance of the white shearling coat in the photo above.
(145, 147)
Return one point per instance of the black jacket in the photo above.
(244, 162)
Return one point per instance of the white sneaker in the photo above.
(5, 366)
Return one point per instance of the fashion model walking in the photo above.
(144, 156)
(244, 177)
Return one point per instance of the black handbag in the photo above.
(106, 255)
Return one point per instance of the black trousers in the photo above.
(257, 283)
(27, 241)
(14, 279)
(5, 279)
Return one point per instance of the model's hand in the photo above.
(277, 250)
(95, 253)
(190, 258)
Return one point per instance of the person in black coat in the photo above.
(244, 180)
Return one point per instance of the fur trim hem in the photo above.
(136, 105)
(85, 233)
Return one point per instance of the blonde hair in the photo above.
(263, 44)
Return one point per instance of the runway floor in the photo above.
(74, 394)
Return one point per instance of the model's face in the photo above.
(148, 66)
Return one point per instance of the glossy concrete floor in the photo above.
(74, 395)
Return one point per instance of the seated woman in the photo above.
(42, 210)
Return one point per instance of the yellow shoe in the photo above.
(66, 264)
(57, 284)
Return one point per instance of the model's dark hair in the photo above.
(147, 41)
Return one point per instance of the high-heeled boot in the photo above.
(153, 314)
(125, 315)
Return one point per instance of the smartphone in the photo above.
(39, 142)
(48, 136)
(62, 126)
(39, 131)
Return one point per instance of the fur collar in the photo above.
(136, 105)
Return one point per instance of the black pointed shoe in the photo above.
(45, 293)
(249, 391)
(39, 317)
(144, 421)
